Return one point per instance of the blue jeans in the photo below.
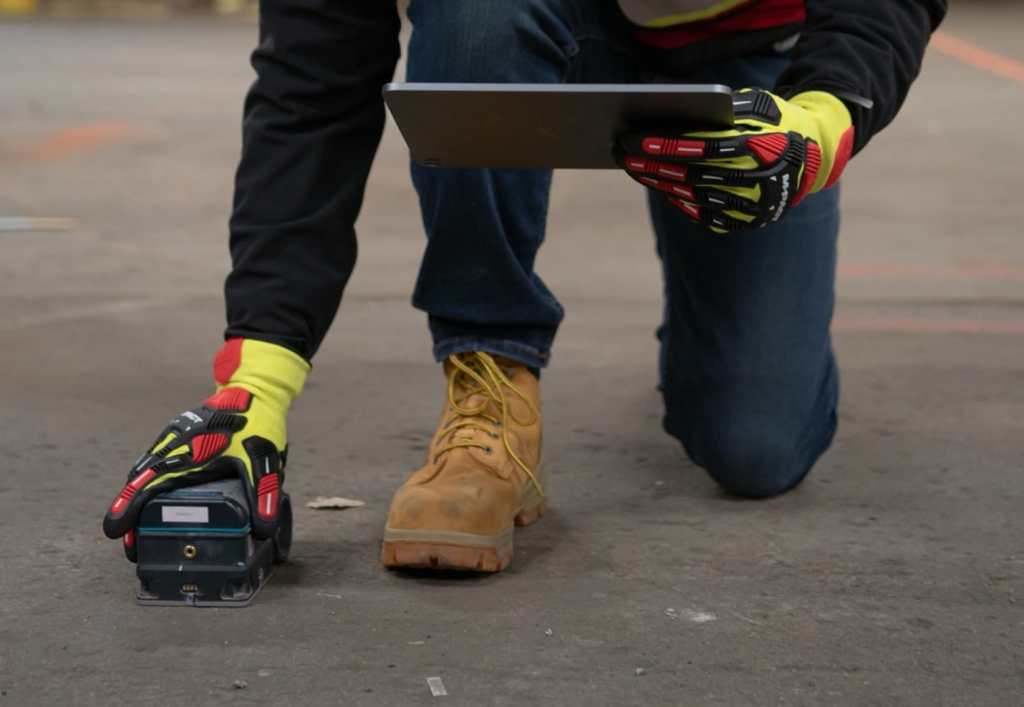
(747, 370)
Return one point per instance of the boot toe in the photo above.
(466, 508)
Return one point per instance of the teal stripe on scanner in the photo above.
(143, 530)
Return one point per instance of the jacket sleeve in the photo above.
(866, 52)
(313, 121)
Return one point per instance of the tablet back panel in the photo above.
(569, 126)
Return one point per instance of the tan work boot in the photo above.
(482, 474)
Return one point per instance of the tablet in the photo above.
(569, 126)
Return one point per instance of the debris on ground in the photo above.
(322, 503)
(639, 671)
(240, 684)
(697, 617)
(549, 632)
(436, 686)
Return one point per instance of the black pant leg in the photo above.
(313, 121)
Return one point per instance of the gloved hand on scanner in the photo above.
(239, 431)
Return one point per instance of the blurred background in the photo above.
(893, 576)
(127, 8)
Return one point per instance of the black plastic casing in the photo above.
(194, 547)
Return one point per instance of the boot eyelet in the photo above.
(488, 450)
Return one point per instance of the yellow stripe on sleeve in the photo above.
(682, 18)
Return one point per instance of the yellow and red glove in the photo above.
(777, 153)
(238, 431)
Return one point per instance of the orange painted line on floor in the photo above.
(70, 140)
(978, 57)
(994, 272)
(906, 325)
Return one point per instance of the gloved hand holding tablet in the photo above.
(777, 153)
(732, 161)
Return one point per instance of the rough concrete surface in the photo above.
(893, 576)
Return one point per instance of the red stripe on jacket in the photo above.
(762, 15)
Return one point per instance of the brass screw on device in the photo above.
(190, 552)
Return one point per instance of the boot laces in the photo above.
(479, 375)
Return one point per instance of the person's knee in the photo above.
(755, 455)
(755, 463)
(479, 40)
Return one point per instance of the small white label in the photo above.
(185, 514)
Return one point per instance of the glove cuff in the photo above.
(835, 126)
(264, 369)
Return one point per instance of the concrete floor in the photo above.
(893, 576)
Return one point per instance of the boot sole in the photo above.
(439, 550)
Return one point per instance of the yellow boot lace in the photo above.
(478, 374)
